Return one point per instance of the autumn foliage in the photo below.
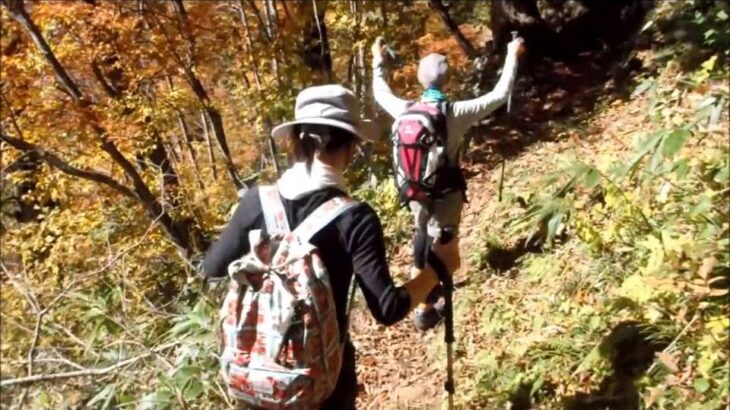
(128, 128)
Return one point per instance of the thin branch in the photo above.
(86, 372)
(263, 28)
(322, 50)
(57, 162)
(59, 359)
(674, 342)
(108, 88)
(206, 134)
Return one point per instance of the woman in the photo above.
(323, 138)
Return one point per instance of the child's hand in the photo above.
(516, 47)
(378, 47)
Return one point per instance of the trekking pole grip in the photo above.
(440, 269)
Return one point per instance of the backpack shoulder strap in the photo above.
(322, 216)
(273, 209)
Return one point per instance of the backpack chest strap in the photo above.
(273, 209)
(322, 216)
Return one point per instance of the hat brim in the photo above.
(367, 130)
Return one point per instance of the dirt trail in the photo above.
(398, 367)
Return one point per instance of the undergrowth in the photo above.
(606, 270)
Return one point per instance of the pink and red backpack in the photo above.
(281, 346)
(419, 151)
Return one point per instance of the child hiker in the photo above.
(293, 250)
(427, 139)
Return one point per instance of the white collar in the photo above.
(297, 182)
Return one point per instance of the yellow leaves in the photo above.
(643, 289)
(656, 254)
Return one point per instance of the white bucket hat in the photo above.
(332, 105)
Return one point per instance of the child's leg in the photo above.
(425, 316)
(446, 215)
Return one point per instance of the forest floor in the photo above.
(581, 107)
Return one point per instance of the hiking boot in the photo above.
(426, 319)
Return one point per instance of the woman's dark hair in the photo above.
(305, 141)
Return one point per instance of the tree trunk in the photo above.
(263, 27)
(443, 11)
(265, 118)
(318, 56)
(170, 182)
(214, 116)
(216, 122)
(185, 131)
(272, 26)
(272, 146)
(211, 155)
(177, 231)
(249, 42)
(189, 144)
(106, 85)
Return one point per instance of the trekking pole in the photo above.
(509, 109)
(448, 285)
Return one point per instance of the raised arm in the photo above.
(469, 111)
(381, 91)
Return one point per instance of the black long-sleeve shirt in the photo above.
(352, 243)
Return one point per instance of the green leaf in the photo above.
(709, 64)
(721, 15)
(161, 399)
(553, 225)
(674, 141)
(591, 178)
(536, 386)
(183, 374)
(723, 175)
(194, 390)
(102, 397)
(656, 161)
(702, 206)
(701, 385)
(705, 364)
(644, 147)
(681, 168)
